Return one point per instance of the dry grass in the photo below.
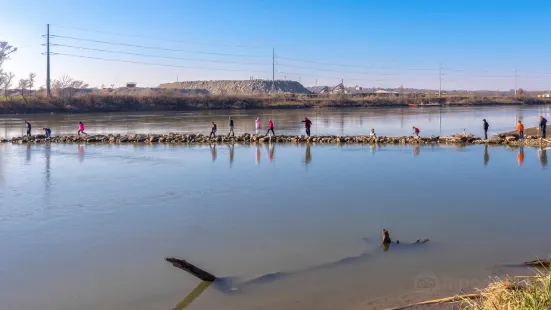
(168, 102)
(532, 293)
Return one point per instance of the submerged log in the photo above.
(539, 263)
(194, 270)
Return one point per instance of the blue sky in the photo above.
(478, 44)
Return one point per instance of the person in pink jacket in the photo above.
(81, 128)
(270, 127)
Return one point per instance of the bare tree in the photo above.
(67, 86)
(32, 77)
(5, 51)
(23, 83)
(520, 92)
(61, 84)
(75, 86)
(8, 78)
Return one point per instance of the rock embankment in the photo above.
(243, 87)
(185, 138)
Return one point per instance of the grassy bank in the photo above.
(532, 293)
(122, 103)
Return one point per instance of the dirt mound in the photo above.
(244, 87)
(147, 91)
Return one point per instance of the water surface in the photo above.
(353, 121)
(89, 226)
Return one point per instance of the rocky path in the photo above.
(184, 138)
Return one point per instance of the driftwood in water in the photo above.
(194, 270)
(539, 263)
(440, 301)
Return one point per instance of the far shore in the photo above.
(129, 103)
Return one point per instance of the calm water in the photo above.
(386, 121)
(88, 227)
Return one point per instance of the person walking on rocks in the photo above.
(307, 125)
(81, 128)
(257, 125)
(270, 127)
(213, 131)
(520, 129)
(29, 127)
(47, 132)
(372, 133)
(231, 128)
(543, 126)
(416, 131)
(486, 126)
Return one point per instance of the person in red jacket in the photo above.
(307, 125)
(270, 127)
(416, 131)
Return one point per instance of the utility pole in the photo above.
(515, 76)
(48, 89)
(440, 81)
(273, 69)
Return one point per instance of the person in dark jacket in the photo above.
(231, 128)
(47, 132)
(213, 131)
(486, 126)
(307, 125)
(29, 127)
(543, 126)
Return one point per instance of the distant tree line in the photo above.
(65, 86)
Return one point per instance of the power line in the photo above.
(354, 66)
(156, 48)
(152, 38)
(328, 77)
(155, 64)
(338, 71)
(157, 56)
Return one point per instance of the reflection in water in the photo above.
(47, 155)
(542, 155)
(486, 155)
(416, 150)
(307, 155)
(201, 287)
(257, 154)
(372, 148)
(231, 147)
(81, 153)
(213, 152)
(1, 170)
(520, 156)
(28, 153)
(270, 148)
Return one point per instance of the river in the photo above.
(354, 121)
(89, 226)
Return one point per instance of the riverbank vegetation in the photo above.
(75, 103)
(532, 293)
